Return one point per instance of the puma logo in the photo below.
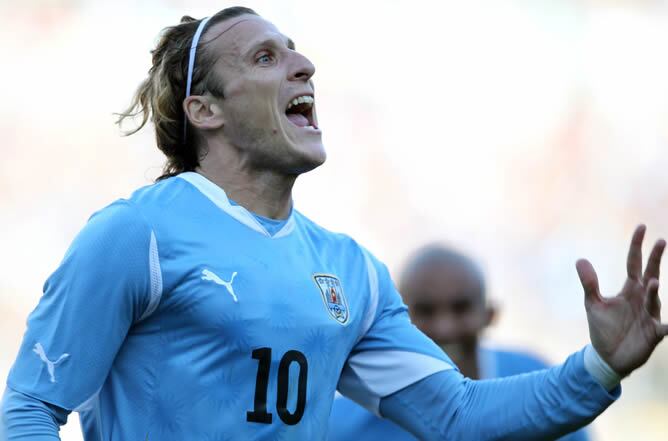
(50, 365)
(211, 276)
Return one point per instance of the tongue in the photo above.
(298, 119)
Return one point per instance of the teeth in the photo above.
(300, 100)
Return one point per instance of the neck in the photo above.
(263, 192)
(470, 366)
(467, 360)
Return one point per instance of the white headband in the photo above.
(191, 66)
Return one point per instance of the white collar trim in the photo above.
(218, 196)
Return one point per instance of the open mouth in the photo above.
(300, 112)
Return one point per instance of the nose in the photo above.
(445, 330)
(302, 68)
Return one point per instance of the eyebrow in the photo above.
(273, 42)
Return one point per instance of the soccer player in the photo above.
(446, 297)
(206, 307)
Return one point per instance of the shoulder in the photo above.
(348, 248)
(162, 193)
(327, 237)
(157, 206)
(125, 222)
(131, 209)
(114, 245)
(119, 219)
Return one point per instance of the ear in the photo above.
(204, 112)
(491, 313)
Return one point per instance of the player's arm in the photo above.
(578, 435)
(531, 363)
(535, 406)
(28, 419)
(103, 285)
(394, 369)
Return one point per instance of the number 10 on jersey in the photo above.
(259, 413)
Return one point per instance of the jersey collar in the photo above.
(218, 196)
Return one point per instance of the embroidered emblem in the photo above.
(211, 276)
(50, 365)
(333, 297)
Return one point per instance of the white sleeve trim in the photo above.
(372, 375)
(370, 315)
(599, 369)
(156, 277)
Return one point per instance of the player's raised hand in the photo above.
(626, 328)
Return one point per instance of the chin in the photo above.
(317, 154)
(308, 157)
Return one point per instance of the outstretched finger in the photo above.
(589, 281)
(654, 262)
(634, 258)
(652, 301)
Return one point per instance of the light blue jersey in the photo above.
(175, 315)
(349, 421)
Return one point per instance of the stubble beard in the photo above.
(271, 149)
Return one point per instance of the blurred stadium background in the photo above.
(529, 133)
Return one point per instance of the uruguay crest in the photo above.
(333, 297)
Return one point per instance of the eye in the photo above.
(423, 310)
(264, 58)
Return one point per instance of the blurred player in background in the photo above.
(205, 307)
(447, 300)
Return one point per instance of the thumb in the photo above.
(589, 281)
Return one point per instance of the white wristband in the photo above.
(599, 369)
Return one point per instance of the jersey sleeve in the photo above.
(391, 352)
(108, 280)
(541, 405)
(26, 418)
